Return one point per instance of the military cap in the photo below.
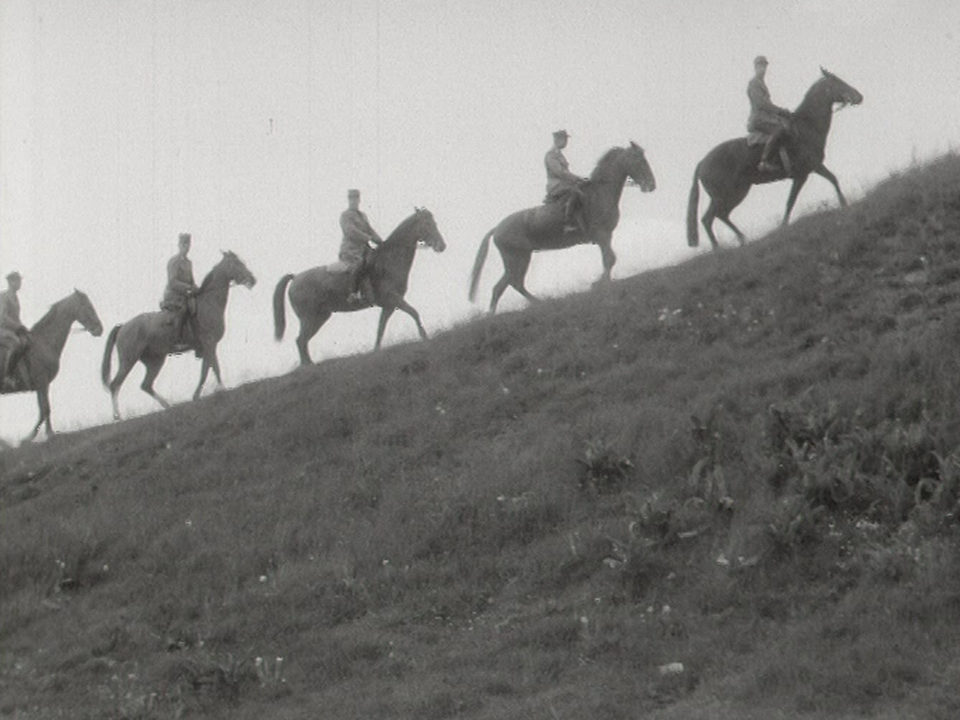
(760, 60)
(14, 275)
(353, 192)
(561, 134)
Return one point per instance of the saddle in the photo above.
(757, 137)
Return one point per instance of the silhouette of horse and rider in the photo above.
(781, 145)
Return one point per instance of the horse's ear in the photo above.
(824, 71)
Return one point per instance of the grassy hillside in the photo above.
(727, 489)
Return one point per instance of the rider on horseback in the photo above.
(563, 186)
(178, 297)
(767, 118)
(355, 246)
(14, 336)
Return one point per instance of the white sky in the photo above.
(243, 122)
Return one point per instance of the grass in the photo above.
(747, 464)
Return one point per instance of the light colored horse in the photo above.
(40, 363)
(317, 293)
(729, 170)
(521, 234)
(150, 337)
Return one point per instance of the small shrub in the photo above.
(604, 470)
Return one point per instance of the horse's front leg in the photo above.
(798, 182)
(824, 173)
(43, 403)
(408, 309)
(608, 257)
(385, 313)
(210, 361)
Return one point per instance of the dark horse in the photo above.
(150, 337)
(40, 362)
(524, 232)
(317, 293)
(728, 171)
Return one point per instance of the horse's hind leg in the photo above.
(308, 328)
(741, 238)
(154, 364)
(518, 272)
(502, 284)
(114, 386)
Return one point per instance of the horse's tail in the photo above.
(693, 229)
(279, 306)
(478, 265)
(108, 354)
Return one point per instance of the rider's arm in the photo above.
(760, 99)
(354, 228)
(556, 168)
(174, 280)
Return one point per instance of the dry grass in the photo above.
(747, 464)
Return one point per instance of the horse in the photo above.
(729, 170)
(317, 293)
(151, 336)
(524, 232)
(40, 362)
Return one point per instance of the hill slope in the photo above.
(727, 489)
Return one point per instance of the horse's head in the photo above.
(638, 169)
(84, 313)
(427, 231)
(838, 91)
(235, 270)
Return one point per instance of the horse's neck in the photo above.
(214, 291)
(815, 113)
(398, 250)
(608, 187)
(53, 328)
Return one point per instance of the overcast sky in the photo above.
(245, 121)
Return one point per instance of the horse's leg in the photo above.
(502, 284)
(154, 364)
(43, 403)
(385, 313)
(209, 362)
(707, 221)
(608, 257)
(409, 310)
(798, 182)
(125, 367)
(824, 173)
(518, 272)
(308, 328)
(741, 238)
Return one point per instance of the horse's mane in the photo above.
(51, 313)
(813, 92)
(608, 158)
(403, 228)
(208, 278)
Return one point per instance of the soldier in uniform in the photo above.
(181, 289)
(766, 117)
(563, 186)
(355, 246)
(14, 336)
